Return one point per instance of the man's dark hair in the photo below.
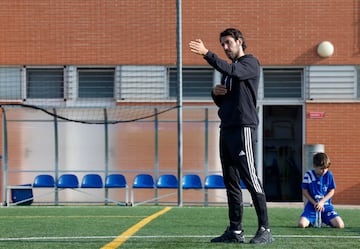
(236, 34)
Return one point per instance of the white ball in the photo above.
(325, 49)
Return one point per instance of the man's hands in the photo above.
(198, 47)
(219, 90)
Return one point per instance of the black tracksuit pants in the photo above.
(238, 162)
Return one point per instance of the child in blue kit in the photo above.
(318, 187)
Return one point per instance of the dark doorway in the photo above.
(282, 164)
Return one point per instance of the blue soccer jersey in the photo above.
(318, 188)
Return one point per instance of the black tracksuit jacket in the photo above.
(238, 106)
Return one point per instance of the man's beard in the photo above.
(232, 56)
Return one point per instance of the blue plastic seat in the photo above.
(44, 181)
(191, 181)
(214, 182)
(143, 181)
(115, 181)
(92, 181)
(167, 181)
(68, 181)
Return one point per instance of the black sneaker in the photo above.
(262, 236)
(230, 237)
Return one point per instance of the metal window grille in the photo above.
(45, 83)
(10, 83)
(96, 83)
(283, 83)
(197, 83)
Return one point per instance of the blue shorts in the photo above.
(328, 214)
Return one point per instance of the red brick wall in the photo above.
(339, 132)
(282, 32)
(87, 32)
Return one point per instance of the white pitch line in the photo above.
(166, 236)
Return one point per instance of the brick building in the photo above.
(303, 99)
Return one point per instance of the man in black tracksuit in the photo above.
(236, 98)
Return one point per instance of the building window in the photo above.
(197, 83)
(331, 82)
(141, 83)
(283, 83)
(45, 83)
(10, 83)
(96, 82)
(358, 81)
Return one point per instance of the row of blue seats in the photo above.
(169, 181)
(189, 181)
(140, 181)
(65, 181)
(71, 181)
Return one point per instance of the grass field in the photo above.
(187, 227)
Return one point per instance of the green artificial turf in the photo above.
(186, 227)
